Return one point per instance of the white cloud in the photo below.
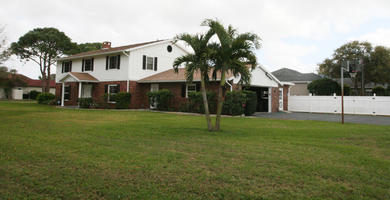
(380, 36)
(125, 22)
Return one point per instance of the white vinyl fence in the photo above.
(364, 105)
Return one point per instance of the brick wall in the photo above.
(275, 99)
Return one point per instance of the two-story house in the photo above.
(140, 68)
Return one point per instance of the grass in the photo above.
(54, 153)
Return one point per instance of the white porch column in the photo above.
(62, 94)
(80, 89)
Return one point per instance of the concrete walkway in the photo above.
(358, 119)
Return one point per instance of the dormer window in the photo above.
(66, 66)
(87, 65)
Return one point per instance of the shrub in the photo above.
(102, 102)
(250, 102)
(388, 90)
(324, 86)
(85, 102)
(161, 99)
(379, 91)
(46, 98)
(234, 103)
(26, 96)
(122, 100)
(195, 102)
(34, 94)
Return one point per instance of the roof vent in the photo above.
(106, 45)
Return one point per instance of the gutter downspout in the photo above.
(231, 87)
(127, 84)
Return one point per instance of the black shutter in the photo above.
(105, 89)
(82, 65)
(70, 90)
(62, 66)
(155, 63)
(70, 66)
(107, 58)
(92, 65)
(119, 61)
(183, 90)
(118, 87)
(197, 87)
(143, 62)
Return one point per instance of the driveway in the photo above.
(357, 119)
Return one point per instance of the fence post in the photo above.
(374, 104)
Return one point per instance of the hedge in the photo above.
(46, 98)
(234, 103)
(34, 94)
(379, 91)
(195, 102)
(85, 102)
(250, 102)
(122, 100)
(161, 99)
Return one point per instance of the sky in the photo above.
(297, 34)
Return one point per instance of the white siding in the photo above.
(131, 66)
(99, 69)
(165, 59)
(2, 93)
(260, 79)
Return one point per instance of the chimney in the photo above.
(106, 45)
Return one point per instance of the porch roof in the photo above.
(79, 77)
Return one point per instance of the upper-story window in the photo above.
(87, 65)
(149, 63)
(113, 62)
(66, 66)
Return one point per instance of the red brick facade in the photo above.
(139, 92)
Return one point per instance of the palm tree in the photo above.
(232, 54)
(198, 61)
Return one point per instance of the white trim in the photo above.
(281, 94)
(78, 80)
(108, 92)
(63, 94)
(192, 84)
(269, 99)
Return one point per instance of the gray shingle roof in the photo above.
(289, 75)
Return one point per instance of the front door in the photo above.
(86, 91)
(280, 98)
(153, 88)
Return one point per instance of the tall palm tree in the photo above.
(198, 61)
(232, 54)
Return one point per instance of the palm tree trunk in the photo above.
(205, 103)
(220, 102)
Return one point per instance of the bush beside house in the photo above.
(122, 100)
(161, 99)
(46, 98)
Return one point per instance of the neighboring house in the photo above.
(300, 80)
(140, 68)
(17, 93)
(368, 86)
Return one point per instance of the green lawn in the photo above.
(54, 153)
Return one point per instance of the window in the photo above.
(66, 66)
(169, 48)
(88, 65)
(190, 88)
(67, 93)
(112, 91)
(113, 62)
(149, 63)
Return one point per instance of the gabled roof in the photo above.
(110, 50)
(170, 76)
(79, 77)
(286, 74)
